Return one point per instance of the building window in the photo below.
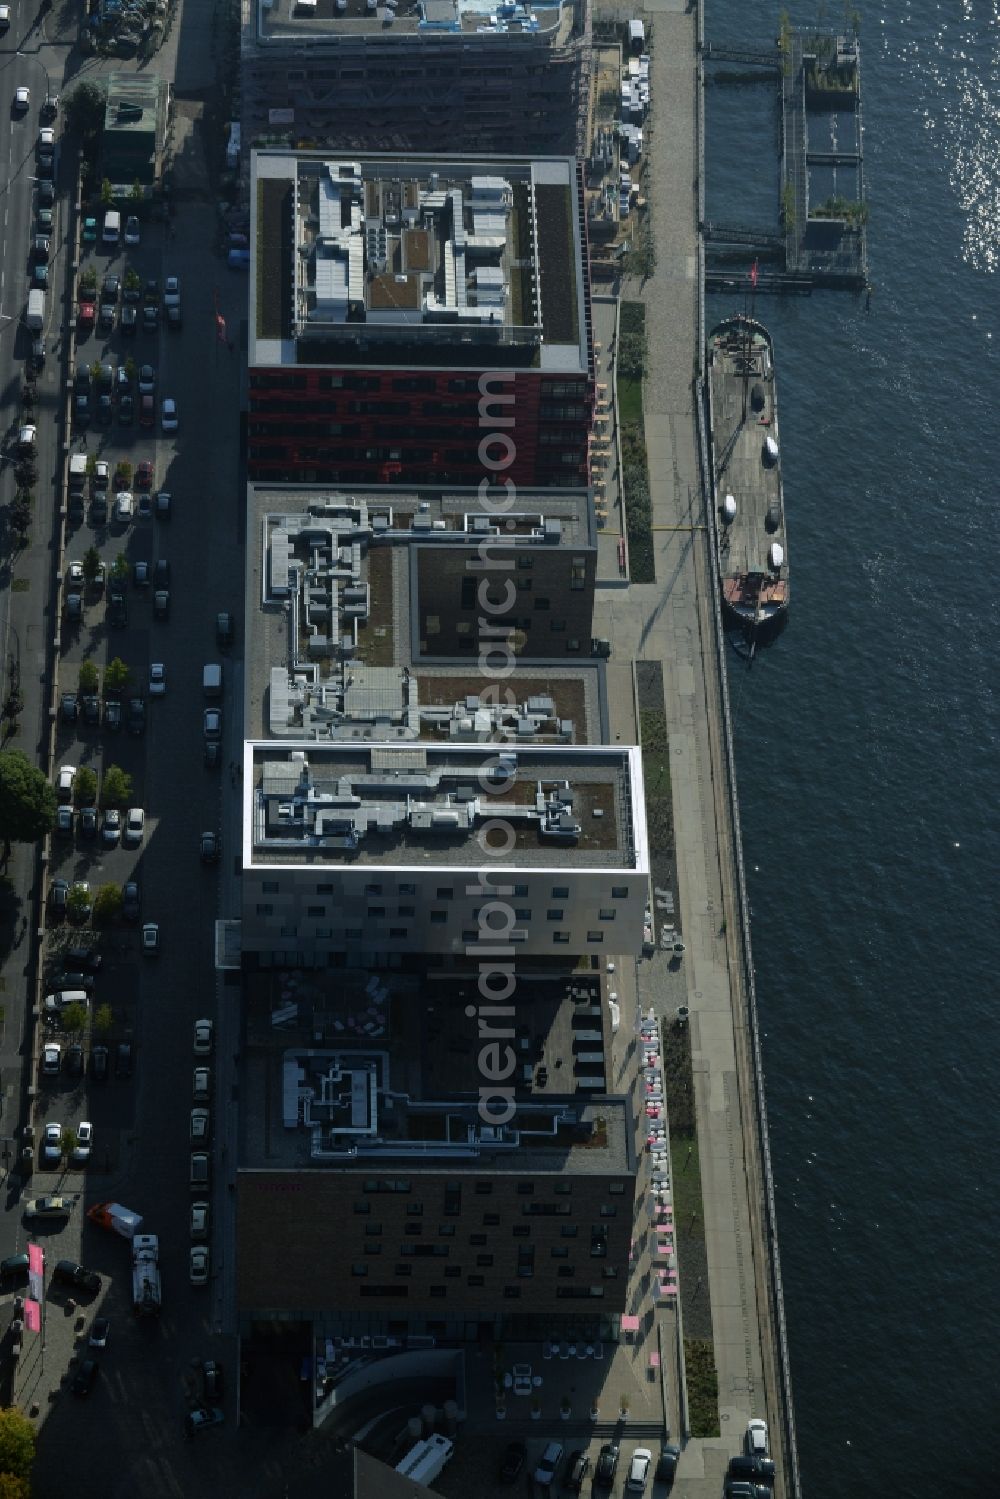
(477, 1239)
(567, 1231)
(402, 1270)
(477, 1280)
(523, 913)
(520, 891)
(557, 626)
(554, 913)
(406, 911)
(315, 910)
(608, 1210)
(609, 1272)
(412, 1228)
(359, 1269)
(617, 1189)
(491, 1220)
(398, 931)
(373, 1249)
(373, 1229)
(438, 918)
(525, 564)
(512, 1292)
(269, 887)
(578, 573)
(375, 912)
(445, 892)
(559, 1252)
(406, 889)
(560, 892)
(452, 1272)
(446, 1230)
(265, 910)
(324, 889)
(561, 937)
(619, 892)
(352, 933)
(573, 644)
(522, 1230)
(373, 889)
(414, 1210)
(484, 1189)
(566, 1271)
(484, 1259)
(606, 913)
(563, 1189)
(595, 937)
(362, 1207)
(542, 606)
(437, 1290)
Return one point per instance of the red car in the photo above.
(147, 411)
(144, 475)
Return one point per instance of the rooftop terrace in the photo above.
(419, 805)
(333, 633)
(300, 20)
(401, 260)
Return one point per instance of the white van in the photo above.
(424, 1462)
(211, 679)
(112, 231)
(56, 1003)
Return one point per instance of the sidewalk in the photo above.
(669, 622)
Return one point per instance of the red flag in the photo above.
(753, 275)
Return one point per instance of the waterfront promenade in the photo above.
(671, 622)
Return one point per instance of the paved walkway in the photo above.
(670, 622)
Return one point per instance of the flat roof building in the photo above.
(420, 320)
(415, 75)
(373, 1143)
(359, 854)
(376, 615)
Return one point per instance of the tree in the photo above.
(117, 788)
(119, 568)
(107, 904)
(27, 801)
(131, 368)
(68, 1141)
(137, 192)
(74, 1019)
(17, 1444)
(95, 370)
(133, 281)
(84, 111)
(85, 787)
(12, 1487)
(89, 678)
(116, 675)
(78, 903)
(88, 282)
(104, 1017)
(107, 193)
(91, 565)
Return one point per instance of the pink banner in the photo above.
(36, 1270)
(32, 1315)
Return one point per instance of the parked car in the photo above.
(80, 1153)
(64, 782)
(100, 1332)
(607, 1464)
(212, 723)
(147, 411)
(576, 1471)
(135, 825)
(85, 1377)
(204, 1037)
(515, 1456)
(132, 233)
(72, 1274)
(131, 900)
(150, 940)
(201, 1121)
(638, 1470)
(48, 1207)
(51, 1059)
(209, 848)
(99, 1063)
(111, 827)
(168, 414)
(198, 1256)
(202, 1418)
(755, 1441)
(52, 1145)
(157, 679)
(201, 1170)
(548, 1463)
(123, 1059)
(58, 898)
(200, 1219)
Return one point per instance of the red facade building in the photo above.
(419, 322)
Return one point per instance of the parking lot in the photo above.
(139, 1104)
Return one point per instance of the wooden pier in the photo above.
(820, 244)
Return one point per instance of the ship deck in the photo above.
(744, 415)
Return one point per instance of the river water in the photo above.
(867, 751)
